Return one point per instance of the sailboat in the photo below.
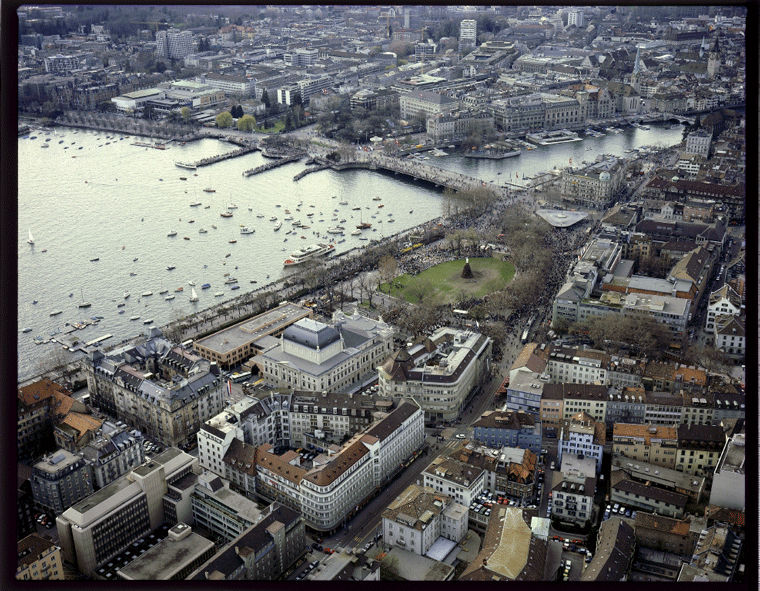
(193, 295)
(30, 240)
(134, 316)
(84, 304)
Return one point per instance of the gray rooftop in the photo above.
(264, 324)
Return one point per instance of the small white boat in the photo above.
(172, 233)
(247, 230)
(30, 240)
(191, 282)
(56, 312)
(135, 317)
(202, 231)
(27, 329)
(149, 321)
(343, 202)
(126, 295)
(218, 294)
(277, 226)
(147, 293)
(273, 219)
(356, 232)
(169, 297)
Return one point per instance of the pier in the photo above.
(274, 164)
(247, 149)
(306, 171)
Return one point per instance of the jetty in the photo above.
(270, 165)
(247, 149)
(306, 171)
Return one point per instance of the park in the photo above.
(445, 284)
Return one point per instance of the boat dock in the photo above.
(275, 164)
(98, 340)
(306, 171)
(214, 159)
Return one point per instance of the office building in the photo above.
(172, 559)
(468, 32)
(442, 373)
(104, 523)
(263, 552)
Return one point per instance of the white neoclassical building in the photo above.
(315, 356)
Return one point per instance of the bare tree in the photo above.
(387, 269)
(421, 290)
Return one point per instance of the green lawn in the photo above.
(446, 283)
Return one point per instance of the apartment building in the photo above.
(442, 373)
(112, 453)
(459, 480)
(716, 556)
(161, 389)
(419, 516)
(645, 497)
(34, 416)
(572, 498)
(615, 550)
(581, 435)
(510, 471)
(468, 32)
(499, 429)
(59, 480)
(699, 448)
(730, 335)
(510, 552)
(315, 356)
(38, 559)
(664, 534)
(654, 444)
(692, 486)
(723, 301)
(174, 44)
(104, 523)
(729, 480)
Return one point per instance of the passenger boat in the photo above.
(247, 230)
(307, 253)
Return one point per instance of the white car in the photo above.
(460, 436)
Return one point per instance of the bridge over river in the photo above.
(419, 170)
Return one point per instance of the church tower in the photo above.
(638, 68)
(713, 59)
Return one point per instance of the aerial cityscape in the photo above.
(382, 293)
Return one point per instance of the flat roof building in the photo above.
(237, 343)
(171, 559)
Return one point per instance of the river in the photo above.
(94, 195)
